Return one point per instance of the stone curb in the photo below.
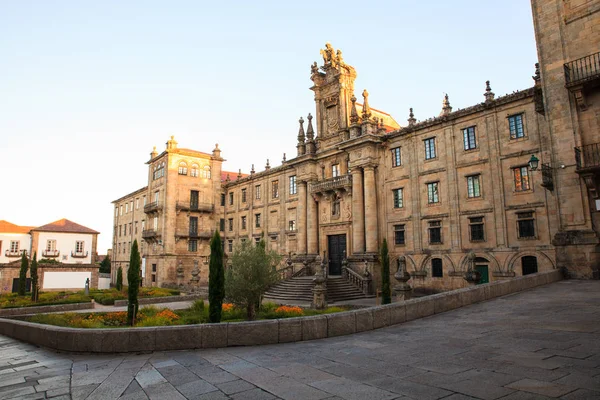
(11, 312)
(265, 331)
(160, 300)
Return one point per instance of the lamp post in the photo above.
(547, 178)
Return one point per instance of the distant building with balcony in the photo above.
(506, 187)
(65, 242)
(14, 240)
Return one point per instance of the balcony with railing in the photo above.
(151, 207)
(14, 254)
(150, 234)
(79, 254)
(547, 179)
(194, 234)
(195, 207)
(51, 253)
(583, 70)
(332, 184)
(587, 158)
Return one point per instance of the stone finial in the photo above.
(267, 166)
(489, 95)
(536, 77)
(353, 113)
(446, 107)
(171, 143)
(301, 136)
(283, 160)
(239, 174)
(366, 111)
(227, 178)
(411, 118)
(154, 153)
(310, 132)
(252, 170)
(216, 151)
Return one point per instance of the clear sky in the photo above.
(87, 88)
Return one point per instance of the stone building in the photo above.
(506, 187)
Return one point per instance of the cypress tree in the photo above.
(34, 278)
(216, 279)
(133, 282)
(23, 274)
(386, 296)
(120, 279)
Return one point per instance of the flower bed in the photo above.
(153, 316)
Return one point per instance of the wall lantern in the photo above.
(533, 162)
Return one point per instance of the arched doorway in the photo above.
(529, 265)
(482, 266)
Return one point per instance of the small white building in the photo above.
(14, 239)
(65, 241)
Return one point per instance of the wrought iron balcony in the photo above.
(582, 70)
(547, 179)
(587, 158)
(197, 207)
(151, 207)
(50, 253)
(14, 254)
(332, 184)
(194, 234)
(150, 234)
(79, 254)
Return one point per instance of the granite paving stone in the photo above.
(541, 387)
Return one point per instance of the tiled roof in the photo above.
(7, 227)
(64, 225)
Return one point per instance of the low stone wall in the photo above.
(158, 300)
(263, 332)
(11, 312)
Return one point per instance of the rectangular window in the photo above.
(473, 186)
(435, 232)
(292, 225)
(131, 205)
(399, 234)
(51, 245)
(121, 209)
(256, 241)
(182, 169)
(124, 229)
(243, 195)
(396, 160)
(526, 225)
(119, 230)
(193, 245)
(137, 203)
(144, 200)
(398, 198)
(476, 229)
(222, 199)
(130, 229)
(521, 175)
(230, 245)
(437, 269)
(155, 223)
(194, 171)
(156, 196)
(244, 222)
(335, 170)
(230, 224)
(275, 189)
(126, 208)
(153, 267)
(429, 148)
(230, 198)
(143, 225)
(79, 246)
(257, 220)
(515, 124)
(154, 278)
(136, 227)
(14, 246)
(222, 224)
(257, 192)
(293, 186)
(116, 211)
(432, 193)
(194, 196)
(193, 226)
(469, 140)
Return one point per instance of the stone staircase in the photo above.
(299, 290)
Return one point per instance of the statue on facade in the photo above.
(314, 69)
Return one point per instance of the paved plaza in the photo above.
(542, 343)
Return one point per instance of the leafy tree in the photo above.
(386, 295)
(133, 282)
(34, 278)
(216, 279)
(23, 275)
(252, 272)
(120, 279)
(105, 265)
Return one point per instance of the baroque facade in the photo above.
(505, 188)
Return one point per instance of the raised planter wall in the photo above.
(11, 312)
(266, 331)
(159, 300)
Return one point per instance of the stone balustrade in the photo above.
(338, 182)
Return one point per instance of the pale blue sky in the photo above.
(87, 88)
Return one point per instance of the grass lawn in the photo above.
(154, 316)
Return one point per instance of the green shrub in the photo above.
(197, 306)
(154, 321)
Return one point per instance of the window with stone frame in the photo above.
(275, 189)
(194, 199)
(50, 245)
(257, 220)
(243, 222)
(194, 171)
(230, 245)
(526, 225)
(206, 172)
(257, 192)
(292, 225)
(433, 193)
(243, 195)
(399, 237)
(515, 126)
(230, 224)
(222, 224)
(437, 268)
(521, 179)
(476, 229)
(293, 185)
(429, 148)
(230, 198)
(193, 245)
(79, 246)
(469, 139)
(396, 157)
(182, 168)
(335, 170)
(222, 199)
(473, 186)
(435, 232)
(398, 197)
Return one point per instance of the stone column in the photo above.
(312, 234)
(302, 228)
(358, 210)
(370, 210)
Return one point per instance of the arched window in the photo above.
(182, 168)
(206, 172)
(159, 171)
(194, 170)
(437, 269)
